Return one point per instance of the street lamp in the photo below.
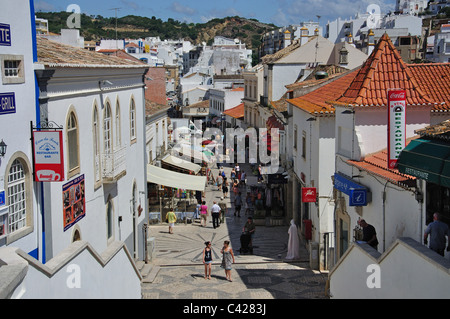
(3, 147)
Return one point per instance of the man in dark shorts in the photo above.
(369, 234)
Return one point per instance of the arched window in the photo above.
(107, 129)
(132, 120)
(96, 143)
(109, 221)
(118, 139)
(72, 142)
(17, 196)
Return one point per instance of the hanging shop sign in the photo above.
(74, 203)
(7, 103)
(48, 156)
(5, 34)
(309, 194)
(359, 195)
(396, 125)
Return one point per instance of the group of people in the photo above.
(227, 259)
(226, 251)
(218, 211)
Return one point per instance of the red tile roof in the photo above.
(383, 70)
(434, 80)
(236, 112)
(376, 164)
(317, 101)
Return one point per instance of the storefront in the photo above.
(429, 160)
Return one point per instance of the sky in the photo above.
(279, 12)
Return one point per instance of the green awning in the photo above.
(426, 159)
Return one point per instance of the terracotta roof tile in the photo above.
(56, 54)
(236, 112)
(434, 79)
(317, 101)
(376, 164)
(385, 68)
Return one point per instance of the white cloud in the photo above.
(178, 7)
(43, 6)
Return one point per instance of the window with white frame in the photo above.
(12, 68)
(16, 197)
(107, 130)
(72, 142)
(118, 139)
(132, 120)
(96, 142)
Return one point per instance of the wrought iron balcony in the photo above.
(113, 164)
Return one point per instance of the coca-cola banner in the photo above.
(309, 194)
(396, 125)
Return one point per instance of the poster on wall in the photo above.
(396, 125)
(48, 156)
(74, 204)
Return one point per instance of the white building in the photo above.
(104, 143)
(412, 7)
(441, 48)
(84, 220)
(20, 209)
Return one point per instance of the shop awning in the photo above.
(426, 159)
(181, 163)
(168, 178)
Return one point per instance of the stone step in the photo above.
(151, 275)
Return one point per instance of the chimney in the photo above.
(287, 38)
(303, 35)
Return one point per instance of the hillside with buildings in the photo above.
(249, 31)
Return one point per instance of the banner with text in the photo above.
(48, 156)
(396, 125)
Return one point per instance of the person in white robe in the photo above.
(293, 243)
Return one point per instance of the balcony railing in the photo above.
(113, 164)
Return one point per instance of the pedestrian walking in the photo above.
(219, 181)
(243, 177)
(215, 212)
(369, 234)
(207, 259)
(237, 204)
(225, 187)
(171, 219)
(223, 210)
(203, 214)
(437, 231)
(227, 259)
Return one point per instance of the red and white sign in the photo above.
(396, 125)
(309, 194)
(48, 156)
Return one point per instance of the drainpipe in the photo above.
(384, 216)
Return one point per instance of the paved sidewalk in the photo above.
(262, 275)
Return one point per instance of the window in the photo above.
(16, 197)
(72, 142)
(96, 142)
(132, 120)
(295, 137)
(12, 68)
(109, 221)
(117, 127)
(107, 134)
(304, 144)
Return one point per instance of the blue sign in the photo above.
(2, 198)
(7, 103)
(5, 34)
(358, 194)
